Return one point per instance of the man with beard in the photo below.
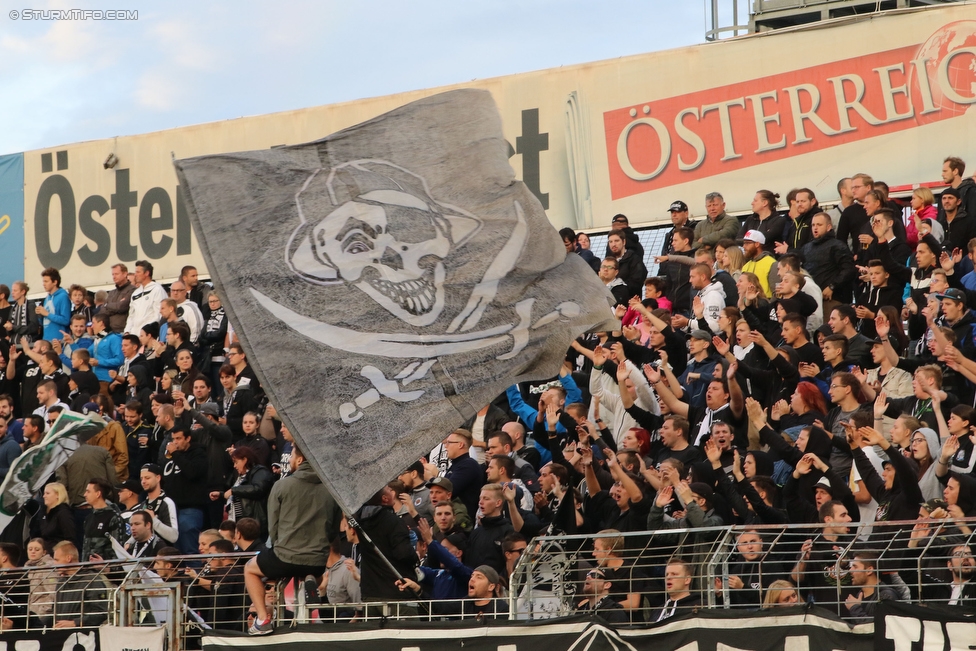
(598, 602)
(630, 267)
(758, 261)
(631, 240)
(797, 231)
(854, 219)
(961, 590)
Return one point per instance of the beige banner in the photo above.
(631, 135)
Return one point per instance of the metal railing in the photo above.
(727, 567)
(735, 567)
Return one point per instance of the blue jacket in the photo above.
(9, 450)
(85, 342)
(528, 414)
(467, 477)
(58, 306)
(108, 351)
(450, 582)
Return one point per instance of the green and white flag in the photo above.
(31, 470)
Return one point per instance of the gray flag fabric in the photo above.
(388, 281)
(31, 470)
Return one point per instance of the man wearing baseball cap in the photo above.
(758, 261)
(960, 227)
(631, 241)
(960, 318)
(679, 217)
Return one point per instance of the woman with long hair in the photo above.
(896, 334)
(780, 593)
(728, 318)
(43, 583)
(734, 259)
(925, 449)
(186, 372)
(923, 218)
(247, 495)
(806, 405)
(729, 257)
(753, 304)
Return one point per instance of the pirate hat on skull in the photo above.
(375, 226)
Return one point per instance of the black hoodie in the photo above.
(142, 391)
(391, 538)
(185, 477)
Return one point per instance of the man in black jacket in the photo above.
(485, 542)
(961, 591)
(391, 538)
(630, 263)
(829, 261)
(185, 480)
(631, 241)
(215, 438)
(465, 473)
(677, 273)
(677, 582)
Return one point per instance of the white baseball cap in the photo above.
(754, 236)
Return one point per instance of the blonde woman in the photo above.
(58, 523)
(732, 260)
(780, 593)
(923, 219)
(43, 583)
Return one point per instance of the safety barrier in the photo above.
(723, 567)
(736, 567)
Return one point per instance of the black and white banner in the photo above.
(711, 631)
(389, 281)
(51, 640)
(904, 627)
(104, 638)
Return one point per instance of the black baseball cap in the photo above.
(953, 294)
(678, 206)
(130, 484)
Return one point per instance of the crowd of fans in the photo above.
(800, 366)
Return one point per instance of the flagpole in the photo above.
(363, 536)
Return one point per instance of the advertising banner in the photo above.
(793, 108)
(707, 631)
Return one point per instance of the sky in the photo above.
(183, 63)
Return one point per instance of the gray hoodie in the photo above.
(303, 518)
(929, 483)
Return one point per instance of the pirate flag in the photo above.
(388, 281)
